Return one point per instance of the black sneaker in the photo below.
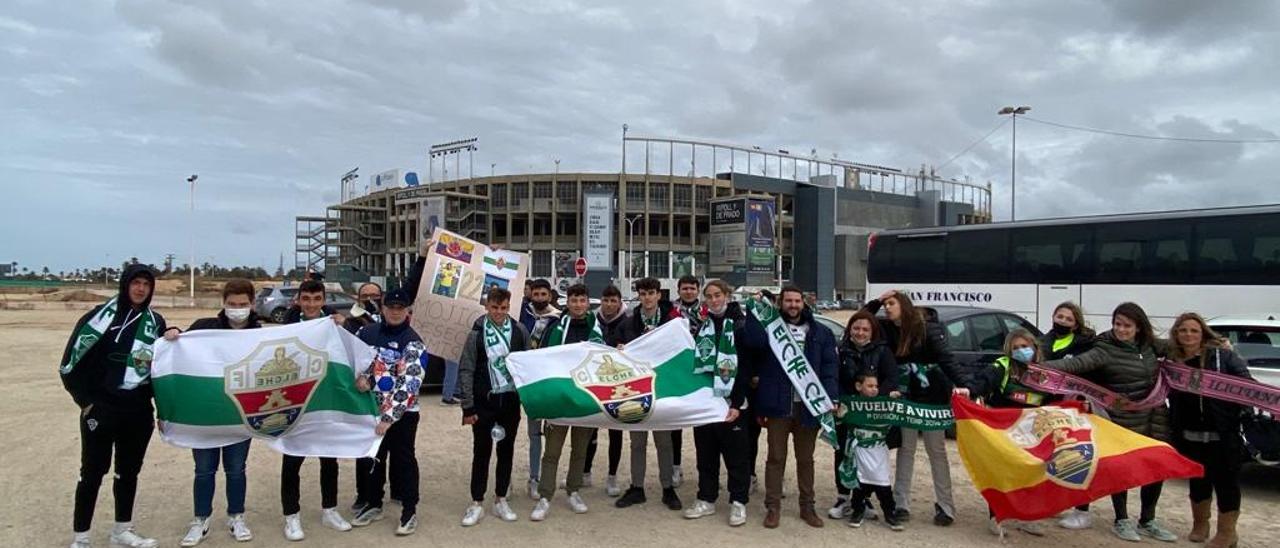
(901, 515)
(855, 517)
(893, 523)
(357, 506)
(634, 495)
(940, 518)
(670, 499)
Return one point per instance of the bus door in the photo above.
(1048, 297)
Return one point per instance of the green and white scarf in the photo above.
(720, 359)
(790, 354)
(138, 361)
(497, 344)
(556, 335)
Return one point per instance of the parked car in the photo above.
(272, 303)
(1257, 340)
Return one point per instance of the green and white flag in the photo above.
(791, 355)
(291, 386)
(650, 386)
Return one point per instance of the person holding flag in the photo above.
(785, 411)
(613, 318)
(720, 328)
(490, 404)
(577, 325)
(106, 368)
(537, 313)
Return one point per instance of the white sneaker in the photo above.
(540, 510)
(239, 529)
(1029, 527)
(533, 490)
(737, 514)
(700, 509)
(81, 540)
(473, 515)
(406, 528)
(586, 479)
(1076, 519)
(293, 527)
(129, 538)
(504, 512)
(840, 509)
(367, 515)
(333, 520)
(199, 529)
(576, 503)
(611, 486)
(677, 476)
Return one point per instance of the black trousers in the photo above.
(842, 437)
(398, 452)
(1221, 463)
(102, 432)
(858, 497)
(1150, 496)
(728, 441)
(290, 483)
(753, 438)
(508, 417)
(615, 452)
(677, 443)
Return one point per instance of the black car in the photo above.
(976, 336)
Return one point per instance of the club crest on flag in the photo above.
(621, 386)
(273, 383)
(1063, 439)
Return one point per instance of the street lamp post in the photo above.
(631, 245)
(1013, 159)
(192, 270)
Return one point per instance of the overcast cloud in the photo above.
(107, 107)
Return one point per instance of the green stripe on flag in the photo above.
(560, 397)
(202, 401)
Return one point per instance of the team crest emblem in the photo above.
(1063, 439)
(622, 387)
(272, 385)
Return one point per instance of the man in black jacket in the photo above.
(369, 297)
(651, 313)
(106, 368)
(483, 408)
(613, 318)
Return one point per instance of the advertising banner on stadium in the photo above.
(760, 233)
(458, 274)
(597, 239)
(430, 217)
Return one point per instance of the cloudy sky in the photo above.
(109, 106)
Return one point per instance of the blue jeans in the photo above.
(450, 390)
(233, 458)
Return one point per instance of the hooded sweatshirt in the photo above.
(97, 379)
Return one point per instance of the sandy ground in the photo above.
(41, 452)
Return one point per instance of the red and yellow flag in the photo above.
(1034, 463)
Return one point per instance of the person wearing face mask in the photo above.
(237, 313)
(724, 440)
(1069, 336)
(611, 317)
(1207, 430)
(998, 385)
(861, 349)
(369, 297)
(1124, 360)
(106, 368)
(779, 407)
(927, 374)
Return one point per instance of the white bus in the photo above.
(1212, 261)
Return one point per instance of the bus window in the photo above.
(978, 256)
(1240, 250)
(1050, 254)
(920, 259)
(1154, 252)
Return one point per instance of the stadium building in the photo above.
(755, 218)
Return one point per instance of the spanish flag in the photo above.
(1033, 463)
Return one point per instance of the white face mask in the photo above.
(237, 314)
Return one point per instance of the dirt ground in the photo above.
(41, 449)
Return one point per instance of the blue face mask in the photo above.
(1024, 355)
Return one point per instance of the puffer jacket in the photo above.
(1129, 370)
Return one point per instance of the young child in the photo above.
(871, 453)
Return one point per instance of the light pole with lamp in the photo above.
(1013, 159)
(192, 269)
(631, 240)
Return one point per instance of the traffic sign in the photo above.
(580, 267)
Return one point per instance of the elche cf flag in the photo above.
(649, 386)
(292, 387)
(1033, 463)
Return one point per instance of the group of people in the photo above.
(900, 353)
